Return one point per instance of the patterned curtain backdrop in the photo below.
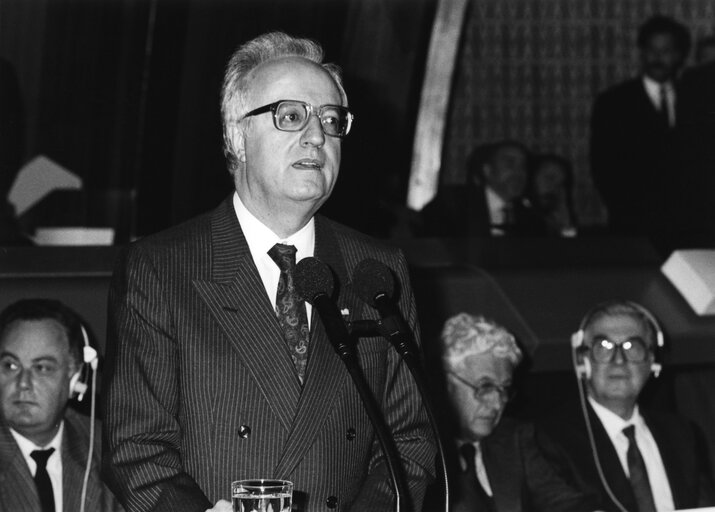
(530, 69)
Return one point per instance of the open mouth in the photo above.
(308, 163)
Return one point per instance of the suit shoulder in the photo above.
(352, 241)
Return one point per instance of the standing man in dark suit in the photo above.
(492, 202)
(494, 462)
(209, 380)
(632, 127)
(628, 457)
(44, 446)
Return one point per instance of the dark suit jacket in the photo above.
(17, 487)
(564, 440)
(520, 477)
(632, 159)
(462, 211)
(202, 390)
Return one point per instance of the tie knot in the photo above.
(41, 456)
(630, 432)
(284, 256)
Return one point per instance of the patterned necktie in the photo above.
(42, 479)
(638, 473)
(290, 308)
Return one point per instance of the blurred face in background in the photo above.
(506, 172)
(661, 58)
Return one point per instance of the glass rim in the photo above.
(261, 482)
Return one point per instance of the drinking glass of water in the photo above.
(261, 495)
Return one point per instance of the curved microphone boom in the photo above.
(374, 284)
(314, 283)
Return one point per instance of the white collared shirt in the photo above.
(478, 465)
(652, 89)
(657, 476)
(495, 207)
(54, 462)
(260, 239)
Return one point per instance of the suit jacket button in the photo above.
(244, 431)
(332, 502)
(350, 434)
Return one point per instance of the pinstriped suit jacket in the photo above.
(17, 487)
(201, 389)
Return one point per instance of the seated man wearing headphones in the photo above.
(493, 462)
(46, 448)
(630, 458)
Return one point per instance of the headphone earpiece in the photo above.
(79, 386)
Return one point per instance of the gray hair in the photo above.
(246, 59)
(465, 335)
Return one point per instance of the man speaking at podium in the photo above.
(208, 380)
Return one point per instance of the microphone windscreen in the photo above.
(312, 278)
(372, 278)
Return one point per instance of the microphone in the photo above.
(374, 284)
(314, 282)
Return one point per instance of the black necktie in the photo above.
(638, 473)
(42, 479)
(472, 496)
(290, 308)
(663, 111)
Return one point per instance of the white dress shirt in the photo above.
(657, 476)
(495, 207)
(54, 462)
(260, 239)
(653, 88)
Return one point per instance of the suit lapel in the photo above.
(74, 461)
(611, 464)
(17, 487)
(671, 461)
(325, 373)
(237, 300)
(500, 459)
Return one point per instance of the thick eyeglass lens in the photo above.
(293, 116)
(489, 390)
(633, 350)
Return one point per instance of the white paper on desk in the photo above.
(36, 179)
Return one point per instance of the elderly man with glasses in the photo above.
(627, 457)
(494, 463)
(218, 371)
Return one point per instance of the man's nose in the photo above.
(619, 356)
(313, 132)
(24, 379)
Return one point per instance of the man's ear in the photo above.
(236, 141)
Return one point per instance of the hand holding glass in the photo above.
(261, 495)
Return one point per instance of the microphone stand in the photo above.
(392, 457)
(389, 328)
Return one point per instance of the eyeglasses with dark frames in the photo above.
(486, 390)
(293, 116)
(633, 350)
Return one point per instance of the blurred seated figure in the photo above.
(628, 457)
(493, 462)
(551, 191)
(44, 445)
(491, 203)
